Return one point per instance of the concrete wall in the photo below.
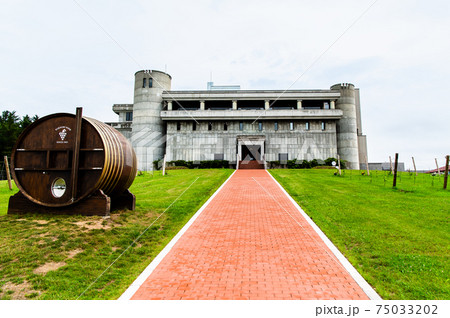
(202, 144)
(347, 140)
(148, 129)
(362, 140)
(362, 150)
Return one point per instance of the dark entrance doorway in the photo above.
(251, 152)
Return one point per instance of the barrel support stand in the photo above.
(124, 201)
(96, 204)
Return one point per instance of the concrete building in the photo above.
(247, 126)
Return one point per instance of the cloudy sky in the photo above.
(57, 55)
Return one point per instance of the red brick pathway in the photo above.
(250, 242)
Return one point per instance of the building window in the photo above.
(150, 82)
(323, 125)
(178, 125)
(260, 126)
(144, 83)
(307, 125)
(283, 158)
(129, 116)
(241, 125)
(276, 126)
(225, 126)
(291, 125)
(326, 105)
(194, 125)
(210, 126)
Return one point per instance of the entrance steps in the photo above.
(250, 164)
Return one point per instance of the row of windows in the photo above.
(282, 157)
(254, 104)
(150, 82)
(260, 126)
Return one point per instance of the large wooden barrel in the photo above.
(55, 168)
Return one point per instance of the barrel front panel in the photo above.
(42, 160)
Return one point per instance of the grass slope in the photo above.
(58, 257)
(398, 239)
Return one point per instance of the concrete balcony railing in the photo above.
(247, 114)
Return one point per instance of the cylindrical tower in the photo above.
(347, 138)
(148, 130)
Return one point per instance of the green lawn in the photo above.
(398, 239)
(58, 257)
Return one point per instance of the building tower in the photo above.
(148, 135)
(347, 138)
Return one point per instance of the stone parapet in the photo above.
(246, 114)
(251, 95)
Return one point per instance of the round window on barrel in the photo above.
(58, 187)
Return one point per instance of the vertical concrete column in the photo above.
(332, 104)
(263, 151)
(347, 139)
(148, 131)
(299, 104)
(266, 104)
(234, 105)
(169, 105)
(202, 105)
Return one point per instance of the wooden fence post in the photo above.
(446, 172)
(395, 170)
(367, 166)
(437, 167)
(8, 174)
(164, 165)
(339, 164)
(390, 161)
(414, 164)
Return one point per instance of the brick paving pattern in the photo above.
(250, 242)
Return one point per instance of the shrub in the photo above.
(324, 167)
(176, 168)
(329, 162)
(179, 163)
(305, 164)
(207, 164)
(204, 164)
(292, 164)
(157, 164)
(314, 163)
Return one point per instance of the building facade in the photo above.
(226, 123)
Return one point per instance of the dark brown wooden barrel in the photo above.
(43, 156)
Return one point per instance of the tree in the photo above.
(11, 126)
